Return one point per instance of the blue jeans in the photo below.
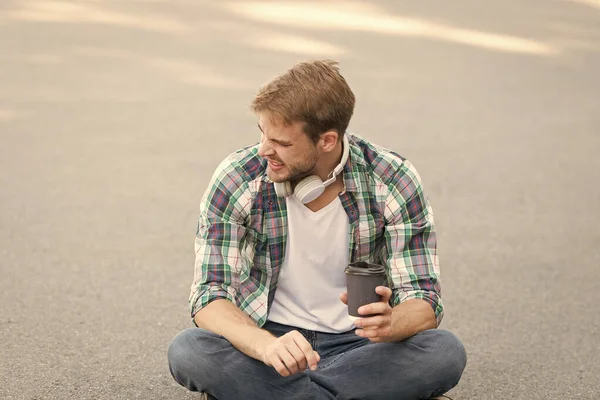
(425, 365)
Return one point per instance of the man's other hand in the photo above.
(290, 353)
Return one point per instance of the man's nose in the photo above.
(264, 149)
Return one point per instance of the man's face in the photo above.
(289, 151)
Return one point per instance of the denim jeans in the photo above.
(425, 365)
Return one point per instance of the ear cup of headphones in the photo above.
(309, 189)
(283, 189)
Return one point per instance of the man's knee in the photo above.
(455, 356)
(447, 357)
(187, 355)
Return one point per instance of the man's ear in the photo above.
(329, 140)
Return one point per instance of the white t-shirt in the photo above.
(312, 275)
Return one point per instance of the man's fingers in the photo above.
(280, 367)
(344, 298)
(370, 322)
(373, 308)
(306, 351)
(289, 361)
(368, 333)
(299, 356)
(373, 333)
(384, 292)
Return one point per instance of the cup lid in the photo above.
(364, 268)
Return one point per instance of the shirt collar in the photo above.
(353, 167)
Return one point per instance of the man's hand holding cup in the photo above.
(377, 323)
(368, 301)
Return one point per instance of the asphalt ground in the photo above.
(114, 114)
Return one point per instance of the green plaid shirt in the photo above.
(242, 230)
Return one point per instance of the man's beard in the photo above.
(295, 172)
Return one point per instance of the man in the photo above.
(278, 224)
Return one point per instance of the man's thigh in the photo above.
(428, 364)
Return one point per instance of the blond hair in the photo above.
(312, 92)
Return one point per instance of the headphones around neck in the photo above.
(311, 187)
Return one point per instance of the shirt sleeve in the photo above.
(219, 239)
(411, 241)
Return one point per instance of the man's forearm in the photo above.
(224, 318)
(411, 317)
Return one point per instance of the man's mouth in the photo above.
(275, 166)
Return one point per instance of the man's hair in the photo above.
(312, 92)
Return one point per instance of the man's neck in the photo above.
(331, 192)
(325, 167)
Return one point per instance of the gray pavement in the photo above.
(113, 115)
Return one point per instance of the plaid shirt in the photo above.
(242, 230)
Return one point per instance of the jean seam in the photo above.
(332, 361)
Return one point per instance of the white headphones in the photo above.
(312, 186)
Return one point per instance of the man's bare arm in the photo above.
(224, 318)
(411, 317)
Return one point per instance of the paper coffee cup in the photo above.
(361, 280)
